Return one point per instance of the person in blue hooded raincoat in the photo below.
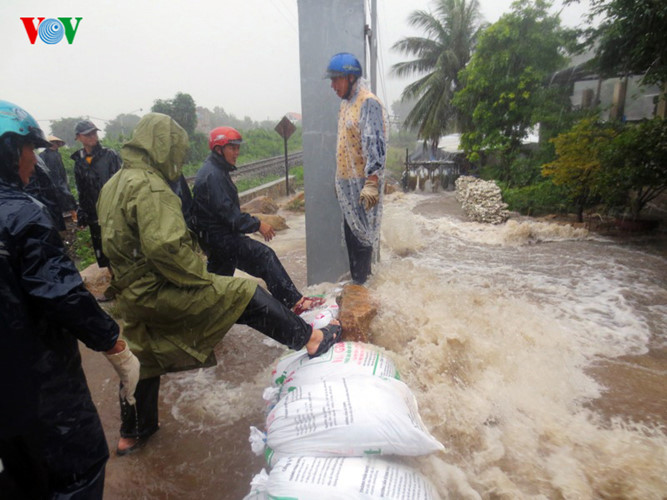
(51, 440)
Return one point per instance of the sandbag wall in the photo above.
(337, 426)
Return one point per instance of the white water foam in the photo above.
(494, 334)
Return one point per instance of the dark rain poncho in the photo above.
(54, 163)
(175, 311)
(45, 405)
(91, 177)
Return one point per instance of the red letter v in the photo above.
(30, 28)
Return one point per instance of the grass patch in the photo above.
(83, 249)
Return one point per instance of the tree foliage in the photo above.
(506, 90)
(121, 127)
(632, 38)
(578, 161)
(451, 32)
(635, 166)
(64, 129)
(181, 108)
(220, 118)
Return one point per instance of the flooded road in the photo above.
(537, 353)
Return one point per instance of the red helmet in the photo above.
(221, 136)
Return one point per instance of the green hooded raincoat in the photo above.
(175, 311)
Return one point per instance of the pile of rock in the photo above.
(481, 200)
(264, 208)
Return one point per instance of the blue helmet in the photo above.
(343, 64)
(16, 120)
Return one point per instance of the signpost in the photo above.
(285, 129)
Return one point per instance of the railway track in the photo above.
(269, 166)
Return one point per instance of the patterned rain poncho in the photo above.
(361, 152)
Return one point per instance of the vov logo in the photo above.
(51, 31)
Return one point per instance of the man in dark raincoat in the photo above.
(58, 174)
(93, 166)
(175, 311)
(221, 226)
(51, 439)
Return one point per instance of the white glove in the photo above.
(127, 366)
(369, 194)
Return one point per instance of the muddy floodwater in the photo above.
(537, 353)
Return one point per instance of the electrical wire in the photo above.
(290, 10)
(290, 22)
(380, 59)
(380, 62)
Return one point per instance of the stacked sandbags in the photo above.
(481, 200)
(341, 478)
(337, 426)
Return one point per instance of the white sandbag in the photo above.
(321, 316)
(346, 478)
(348, 416)
(258, 486)
(343, 359)
(282, 366)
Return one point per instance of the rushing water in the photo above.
(509, 334)
(537, 353)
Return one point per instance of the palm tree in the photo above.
(450, 36)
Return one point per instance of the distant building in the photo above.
(295, 118)
(619, 98)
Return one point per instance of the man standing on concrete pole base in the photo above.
(93, 167)
(221, 226)
(360, 162)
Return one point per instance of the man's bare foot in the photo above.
(127, 445)
(306, 304)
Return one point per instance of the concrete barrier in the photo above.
(275, 189)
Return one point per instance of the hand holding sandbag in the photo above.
(127, 366)
(369, 194)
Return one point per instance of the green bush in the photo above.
(395, 162)
(538, 199)
(634, 167)
(577, 165)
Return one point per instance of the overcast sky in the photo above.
(242, 56)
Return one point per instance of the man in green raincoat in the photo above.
(175, 312)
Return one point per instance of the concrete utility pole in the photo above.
(374, 46)
(325, 28)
